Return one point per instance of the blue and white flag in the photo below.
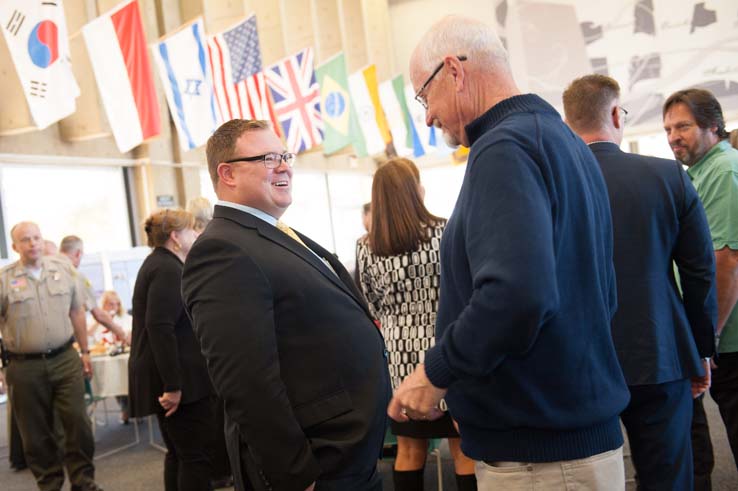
(36, 34)
(183, 70)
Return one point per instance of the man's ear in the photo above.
(617, 118)
(455, 69)
(225, 174)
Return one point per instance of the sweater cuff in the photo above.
(436, 368)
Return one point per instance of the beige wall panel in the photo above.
(271, 29)
(354, 39)
(327, 25)
(410, 19)
(298, 26)
(222, 14)
(378, 37)
(14, 114)
(75, 12)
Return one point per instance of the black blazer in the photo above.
(165, 355)
(293, 351)
(658, 220)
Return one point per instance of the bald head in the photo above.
(28, 243)
(458, 35)
(459, 70)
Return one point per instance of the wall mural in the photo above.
(652, 47)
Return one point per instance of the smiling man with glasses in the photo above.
(523, 354)
(291, 345)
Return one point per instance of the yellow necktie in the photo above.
(291, 233)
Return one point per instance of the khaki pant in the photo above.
(603, 471)
(38, 389)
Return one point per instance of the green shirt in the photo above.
(715, 177)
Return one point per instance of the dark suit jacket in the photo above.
(292, 350)
(165, 355)
(658, 218)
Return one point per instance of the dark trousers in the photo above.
(657, 421)
(38, 389)
(221, 464)
(725, 392)
(15, 443)
(188, 435)
(702, 456)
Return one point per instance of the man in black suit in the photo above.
(290, 343)
(663, 341)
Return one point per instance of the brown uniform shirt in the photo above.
(34, 314)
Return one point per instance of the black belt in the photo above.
(39, 356)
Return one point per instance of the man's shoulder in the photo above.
(724, 161)
(8, 270)
(60, 263)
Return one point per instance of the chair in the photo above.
(91, 401)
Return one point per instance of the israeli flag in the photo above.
(183, 69)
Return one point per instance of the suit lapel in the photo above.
(276, 236)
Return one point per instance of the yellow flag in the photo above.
(370, 76)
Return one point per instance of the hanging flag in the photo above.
(185, 76)
(341, 127)
(417, 113)
(116, 43)
(235, 64)
(296, 98)
(36, 34)
(412, 139)
(366, 110)
(395, 117)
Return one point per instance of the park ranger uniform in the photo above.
(44, 375)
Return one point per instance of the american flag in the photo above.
(296, 98)
(235, 62)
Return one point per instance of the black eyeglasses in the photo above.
(271, 160)
(625, 114)
(421, 99)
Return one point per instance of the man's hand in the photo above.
(701, 384)
(416, 398)
(310, 488)
(3, 387)
(86, 365)
(170, 401)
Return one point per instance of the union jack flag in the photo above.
(235, 62)
(296, 98)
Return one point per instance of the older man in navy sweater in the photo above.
(663, 339)
(524, 355)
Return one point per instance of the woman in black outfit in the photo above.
(167, 372)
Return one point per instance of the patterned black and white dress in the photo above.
(402, 292)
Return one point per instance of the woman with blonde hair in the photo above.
(398, 263)
(167, 373)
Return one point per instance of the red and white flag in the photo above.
(116, 43)
(36, 33)
(238, 80)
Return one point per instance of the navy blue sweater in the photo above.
(528, 293)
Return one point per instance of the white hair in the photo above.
(456, 35)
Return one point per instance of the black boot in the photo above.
(408, 480)
(466, 482)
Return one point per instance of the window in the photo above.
(86, 201)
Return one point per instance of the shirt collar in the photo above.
(720, 146)
(252, 211)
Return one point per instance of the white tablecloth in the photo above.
(110, 375)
